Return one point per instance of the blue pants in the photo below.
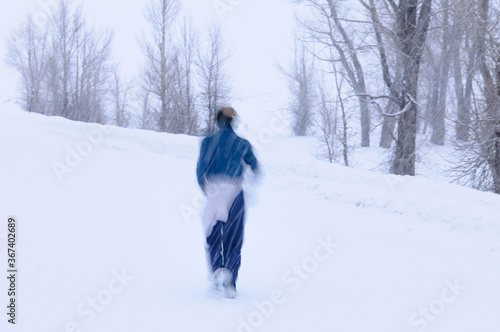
(225, 242)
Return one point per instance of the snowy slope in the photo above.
(109, 239)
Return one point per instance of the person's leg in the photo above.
(214, 247)
(233, 236)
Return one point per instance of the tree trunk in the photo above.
(356, 77)
(412, 34)
(389, 122)
(365, 119)
(462, 132)
(388, 126)
(495, 166)
(463, 93)
(404, 157)
(439, 116)
(492, 95)
(495, 119)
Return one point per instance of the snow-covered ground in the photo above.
(109, 238)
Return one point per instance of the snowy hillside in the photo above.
(109, 239)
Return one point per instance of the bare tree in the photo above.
(328, 29)
(92, 73)
(489, 67)
(189, 40)
(474, 44)
(327, 125)
(391, 71)
(121, 99)
(345, 145)
(301, 83)
(213, 80)
(146, 117)
(437, 106)
(184, 114)
(29, 54)
(464, 41)
(161, 56)
(413, 19)
(63, 48)
(333, 136)
(65, 68)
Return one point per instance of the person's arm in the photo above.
(250, 159)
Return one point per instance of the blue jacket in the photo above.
(226, 155)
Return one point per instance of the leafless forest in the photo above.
(392, 71)
(410, 68)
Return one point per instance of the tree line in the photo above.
(408, 70)
(66, 69)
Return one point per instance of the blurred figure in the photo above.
(223, 159)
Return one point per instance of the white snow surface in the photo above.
(115, 243)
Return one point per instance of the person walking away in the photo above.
(224, 158)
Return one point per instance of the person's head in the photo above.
(226, 116)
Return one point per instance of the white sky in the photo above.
(258, 33)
